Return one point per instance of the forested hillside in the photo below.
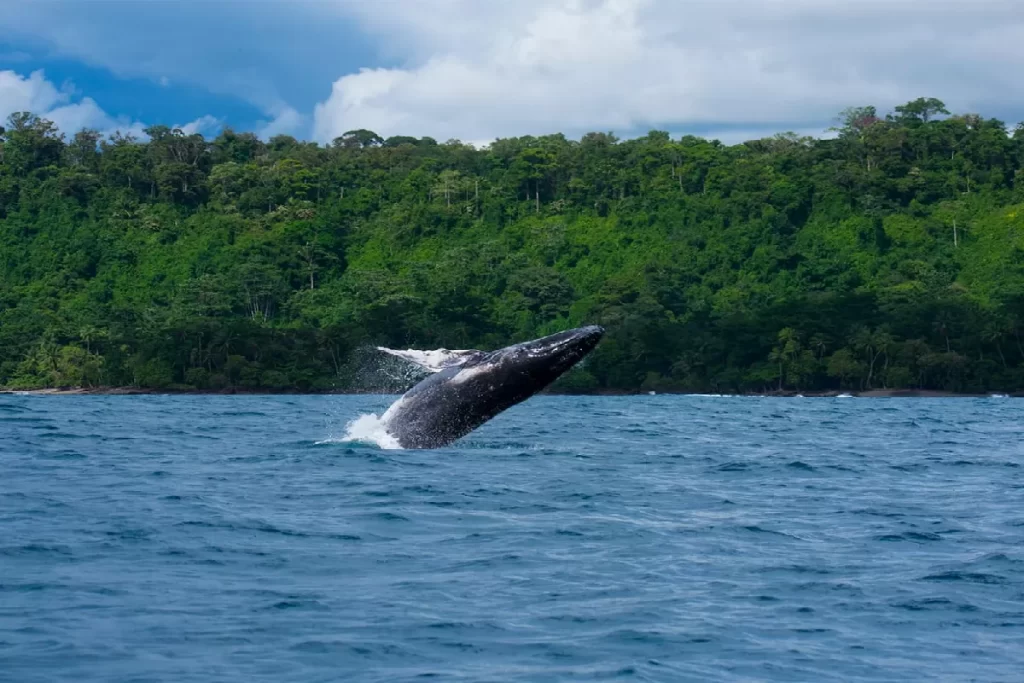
(889, 256)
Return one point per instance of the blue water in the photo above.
(180, 539)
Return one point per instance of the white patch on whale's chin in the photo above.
(392, 409)
(470, 373)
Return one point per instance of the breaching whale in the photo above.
(468, 388)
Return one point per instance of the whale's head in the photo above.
(521, 370)
(543, 360)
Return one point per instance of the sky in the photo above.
(476, 70)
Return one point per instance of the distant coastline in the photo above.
(239, 391)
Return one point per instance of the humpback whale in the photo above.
(470, 387)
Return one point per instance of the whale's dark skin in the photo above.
(453, 402)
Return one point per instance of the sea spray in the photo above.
(369, 429)
(372, 371)
(366, 428)
(391, 370)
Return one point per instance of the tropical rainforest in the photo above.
(887, 255)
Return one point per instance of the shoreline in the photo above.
(137, 391)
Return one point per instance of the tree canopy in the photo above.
(890, 255)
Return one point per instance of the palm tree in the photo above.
(872, 344)
(820, 345)
(785, 352)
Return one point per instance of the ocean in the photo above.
(177, 539)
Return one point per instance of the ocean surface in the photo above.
(233, 538)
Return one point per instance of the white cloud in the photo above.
(286, 121)
(269, 55)
(35, 94)
(31, 93)
(205, 125)
(71, 118)
(476, 70)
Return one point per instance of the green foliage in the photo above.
(889, 256)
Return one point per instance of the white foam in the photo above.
(369, 429)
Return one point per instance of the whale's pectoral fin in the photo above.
(437, 359)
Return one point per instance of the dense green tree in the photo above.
(890, 256)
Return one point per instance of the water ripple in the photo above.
(210, 538)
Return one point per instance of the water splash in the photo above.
(408, 366)
(369, 429)
(391, 370)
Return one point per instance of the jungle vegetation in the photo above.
(888, 255)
